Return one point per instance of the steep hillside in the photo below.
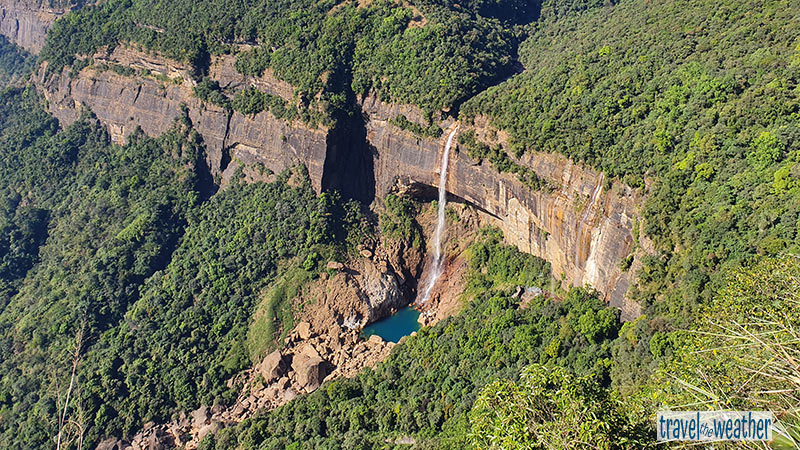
(123, 268)
(698, 103)
(581, 222)
(203, 202)
(15, 63)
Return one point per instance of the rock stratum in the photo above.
(583, 226)
(25, 23)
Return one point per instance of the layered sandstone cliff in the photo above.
(153, 101)
(583, 227)
(25, 22)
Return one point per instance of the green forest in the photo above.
(125, 259)
(701, 99)
(135, 284)
(15, 62)
(430, 53)
(433, 384)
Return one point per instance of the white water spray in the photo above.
(438, 235)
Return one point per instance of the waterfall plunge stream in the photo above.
(438, 235)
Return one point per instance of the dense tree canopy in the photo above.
(121, 255)
(429, 384)
(122, 251)
(15, 63)
(431, 53)
(702, 100)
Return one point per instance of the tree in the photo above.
(550, 408)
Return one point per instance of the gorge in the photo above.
(350, 224)
(582, 227)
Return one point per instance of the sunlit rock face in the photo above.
(581, 226)
(26, 22)
(583, 229)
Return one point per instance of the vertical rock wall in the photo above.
(124, 103)
(25, 22)
(582, 228)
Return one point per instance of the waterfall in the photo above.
(438, 235)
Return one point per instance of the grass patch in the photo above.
(273, 317)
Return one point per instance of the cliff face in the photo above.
(581, 227)
(152, 103)
(25, 22)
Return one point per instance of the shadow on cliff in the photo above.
(349, 158)
(349, 161)
(427, 193)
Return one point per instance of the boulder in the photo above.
(289, 395)
(308, 351)
(303, 330)
(238, 410)
(271, 368)
(212, 428)
(351, 322)
(309, 371)
(359, 349)
(380, 290)
(334, 265)
(283, 383)
(271, 393)
(199, 416)
(111, 444)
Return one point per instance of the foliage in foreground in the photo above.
(430, 382)
(743, 353)
(551, 408)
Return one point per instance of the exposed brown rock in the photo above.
(289, 395)
(303, 330)
(271, 368)
(111, 444)
(25, 22)
(310, 371)
(212, 428)
(124, 103)
(581, 228)
(200, 415)
(333, 265)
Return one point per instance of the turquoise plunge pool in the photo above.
(402, 323)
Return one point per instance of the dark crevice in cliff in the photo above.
(350, 161)
(138, 91)
(225, 151)
(205, 184)
(427, 193)
(349, 165)
(205, 179)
